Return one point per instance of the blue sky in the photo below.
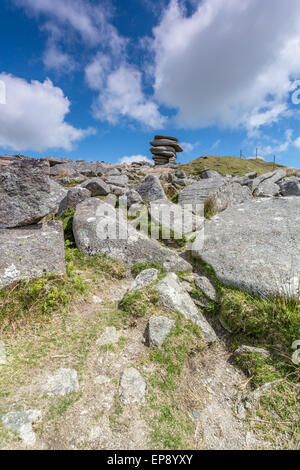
(95, 80)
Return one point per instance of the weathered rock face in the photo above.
(21, 422)
(204, 284)
(157, 330)
(73, 169)
(97, 187)
(166, 142)
(63, 382)
(230, 195)
(175, 297)
(150, 189)
(256, 246)
(132, 387)
(143, 279)
(95, 220)
(272, 177)
(26, 193)
(133, 197)
(200, 191)
(290, 187)
(267, 189)
(73, 198)
(174, 217)
(31, 251)
(121, 180)
(57, 161)
(207, 173)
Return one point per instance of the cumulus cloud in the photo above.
(276, 146)
(33, 117)
(188, 147)
(123, 97)
(229, 63)
(135, 159)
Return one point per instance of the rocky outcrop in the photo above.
(26, 193)
(231, 194)
(255, 246)
(175, 218)
(73, 198)
(31, 251)
(150, 189)
(100, 229)
(97, 187)
(164, 150)
(174, 296)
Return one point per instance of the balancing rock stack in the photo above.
(164, 149)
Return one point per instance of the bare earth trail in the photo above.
(94, 418)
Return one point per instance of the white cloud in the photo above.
(297, 143)
(97, 71)
(33, 117)
(276, 146)
(123, 97)
(134, 159)
(58, 60)
(188, 147)
(230, 63)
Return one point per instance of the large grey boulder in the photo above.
(231, 194)
(207, 173)
(97, 187)
(201, 191)
(157, 330)
(31, 251)
(206, 286)
(73, 198)
(132, 387)
(267, 189)
(90, 169)
(272, 177)
(150, 189)
(255, 246)
(133, 197)
(62, 382)
(143, 279)
(100, 229)
(57, 195)
(290, 187)
(174, 296)
(245, 180)
(27, 193)
(121, 180)
(21, 422)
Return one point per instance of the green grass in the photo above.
(228, 165)
(139, 303)
(139, 267)
(172, 425)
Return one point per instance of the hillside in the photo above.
(228, 165)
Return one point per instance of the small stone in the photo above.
(95, 433)
(251, 350)
(101, 380)
(117, 294)
(63, 382)
(157, 330)
(109, 336)
(21, 422)
(2, 354)
(132, 386)
(204, 284)
(97, 299)
(145, 278)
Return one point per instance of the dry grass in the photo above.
(293, 172)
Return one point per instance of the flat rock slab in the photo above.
(31, 251)
(100, 229)
(132, 386)
(255, 246)
(63, 382)
(174, 296)
(143, 279)
(97, 187)
(157, 330)
(200, 191)
(109, 336)
(21, 422)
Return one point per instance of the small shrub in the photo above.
(140, 302)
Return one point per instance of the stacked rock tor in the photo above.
(164, 149)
